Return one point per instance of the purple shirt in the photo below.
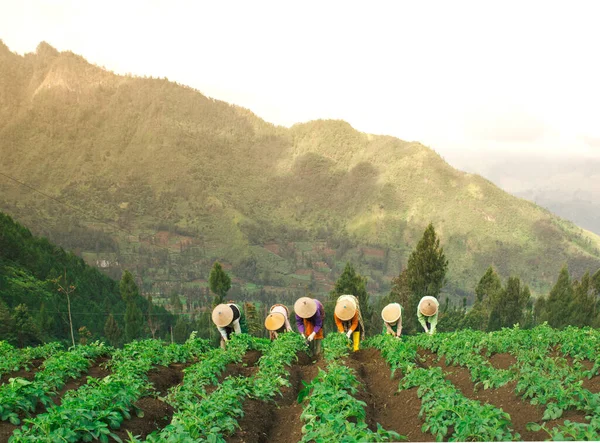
(316, 319)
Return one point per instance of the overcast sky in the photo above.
(455, 75)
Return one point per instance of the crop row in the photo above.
(447, 413)
(22, 396)
(13, 359)
(202, 417)
(93, 410)
(541, 378)
(332, 413)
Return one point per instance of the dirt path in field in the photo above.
(278, 422)
(394, 410)
(521, 412)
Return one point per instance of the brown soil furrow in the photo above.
(521, 412)
(6, 428)
(156, 413)
(502, 361)
(394, 410)
(278, 423)
(245, 369)
(33, 365)
(97, 370)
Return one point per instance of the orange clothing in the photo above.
(352, 323)
(310, 326)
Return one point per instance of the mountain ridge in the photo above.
(146, 154)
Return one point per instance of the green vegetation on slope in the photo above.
(30, 301)
(188, 180)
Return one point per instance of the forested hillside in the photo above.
(32, 309)
(157, 178)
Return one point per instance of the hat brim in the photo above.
(274, 321)
(222, 315)
(428, 310)
(345, 310)
(305, 307)
(391, 313)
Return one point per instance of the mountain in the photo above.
(569, 187)
(157, 178)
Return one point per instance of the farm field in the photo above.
(519, 385)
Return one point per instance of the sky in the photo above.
(462, 77)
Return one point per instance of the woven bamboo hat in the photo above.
(391, 313)
(428, 307)
(305, 307)
(222, 315)
(274, 321)
(345, 309)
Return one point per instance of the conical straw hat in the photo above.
(428, 307)
(345, 309)
(305, 307)
(391, 313)
(222, 315)
(274, 321)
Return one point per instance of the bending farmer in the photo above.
(229, 319)
(392, 319)
(310, 315)
(277, 321)
(427, 313)
(348, 318)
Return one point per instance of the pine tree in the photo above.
(219, 283)
(508, 305)
(489, 286)
(583, 307)
(427, 266)
(128, 288)
(133, 314)
(560, 299)
(354, 284)
(112, 331)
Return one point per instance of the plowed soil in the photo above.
(280, 421)
(158, 414)
(96, 370)
(521, 412)
(394, 410)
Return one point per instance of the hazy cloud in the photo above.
(506, 126)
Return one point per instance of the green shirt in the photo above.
(432, 319)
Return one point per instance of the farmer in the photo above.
(277, 321)
(392, 319)
(348, 318)
(427, 313)
(310, 315)
(229, 318)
